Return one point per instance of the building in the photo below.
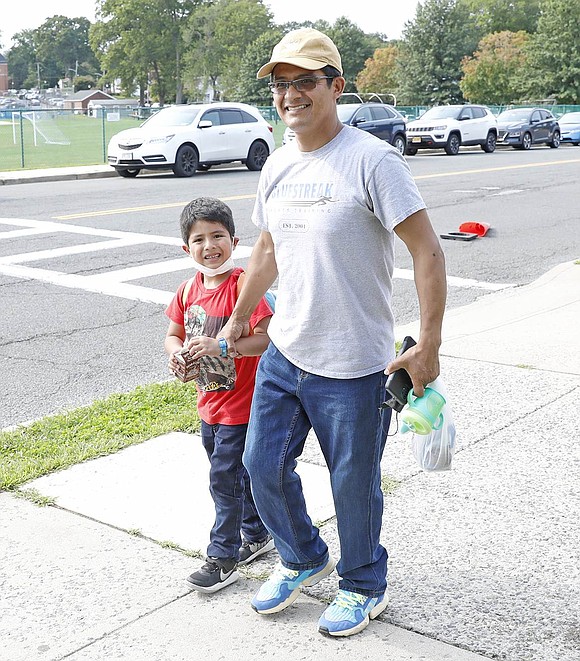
(3, 74)
(80, 100)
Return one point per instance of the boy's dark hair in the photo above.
(206, 208)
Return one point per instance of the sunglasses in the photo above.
(301, 85)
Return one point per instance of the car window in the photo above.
(231, 117)
(536, 116)
(546, 115)
(212, 116)
(466, 113)
(173, 116)
(378, 112)
(478, 113)
(247, 118)
(363, 115)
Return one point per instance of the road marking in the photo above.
(114, 282)
(498, 169)
(151, 207)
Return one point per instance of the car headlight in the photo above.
(514, 134)
(439, 128)
(160, 140)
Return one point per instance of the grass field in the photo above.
(78, 140)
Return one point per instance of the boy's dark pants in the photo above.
(229, 485)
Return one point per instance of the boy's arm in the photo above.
(174, 340)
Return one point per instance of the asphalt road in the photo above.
(86, 267)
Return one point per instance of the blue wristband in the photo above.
(223, 347)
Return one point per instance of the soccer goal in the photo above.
(44, 128)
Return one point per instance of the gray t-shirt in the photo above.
(331, 214)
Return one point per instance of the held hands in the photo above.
(422, 364)
(232, 331)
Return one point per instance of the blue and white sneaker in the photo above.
(283, 586)
(350, 613)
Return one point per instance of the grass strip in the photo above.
(104, 427)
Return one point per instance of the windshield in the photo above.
(570, 118)
(345, 111)
(173, 116)
(441, 112)
(513, 115)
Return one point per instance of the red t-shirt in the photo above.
(225, 385)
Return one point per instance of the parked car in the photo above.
(380, 119)
(570, 128)
(187, 138)
(450, 127)
(521, 128)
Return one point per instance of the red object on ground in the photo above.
(475, 228)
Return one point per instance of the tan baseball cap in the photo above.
(306, 48)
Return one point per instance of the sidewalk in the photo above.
(56, 174)
(484, 559)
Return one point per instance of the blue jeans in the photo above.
(351, 429)
(229, 485)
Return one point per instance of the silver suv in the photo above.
(450, 127)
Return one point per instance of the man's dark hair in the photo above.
(331, 71)
(206, 208)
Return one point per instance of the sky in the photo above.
(364, 13)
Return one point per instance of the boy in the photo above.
(225, 384)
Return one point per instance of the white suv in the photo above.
(449, 127)
(187, 138)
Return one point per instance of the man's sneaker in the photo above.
(214, 575)
(350, 613)
(251, 550)
(283, 586)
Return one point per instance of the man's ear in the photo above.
(186, 249)
(236, 241)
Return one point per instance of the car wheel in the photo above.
(527, 141)
(123, 172)
(399, 144)
(555, 141)
(490, 142)
(186, 161)
(453, 144)
(410, 151)
(257, 156)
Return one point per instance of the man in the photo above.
(328, 205)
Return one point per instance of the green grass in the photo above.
(87, 139)
(86, 143)
(106, 426)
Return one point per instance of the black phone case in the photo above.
(399, 383)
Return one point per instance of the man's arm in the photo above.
(260, 274)
(422, 360)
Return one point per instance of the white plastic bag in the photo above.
(434, 451)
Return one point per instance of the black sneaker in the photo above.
(214, 575)
(251, 550)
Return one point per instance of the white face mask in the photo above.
(228, 265)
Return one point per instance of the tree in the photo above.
(380, 72)
(22, 60)
(249, 89)
(554, 53)
(491, 75)
(217, 35)
(433, 46)
(141, 41)
(504, 15)
(62, 46)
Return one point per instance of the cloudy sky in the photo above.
(369, 15)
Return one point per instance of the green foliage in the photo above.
(554, 53)
(492, 74)
(215, 37)
(433, 46)
(104, 427)
(503, 15)
(248, 88)
(22, 60)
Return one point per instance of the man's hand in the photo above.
(422, 364)
(232, 331)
